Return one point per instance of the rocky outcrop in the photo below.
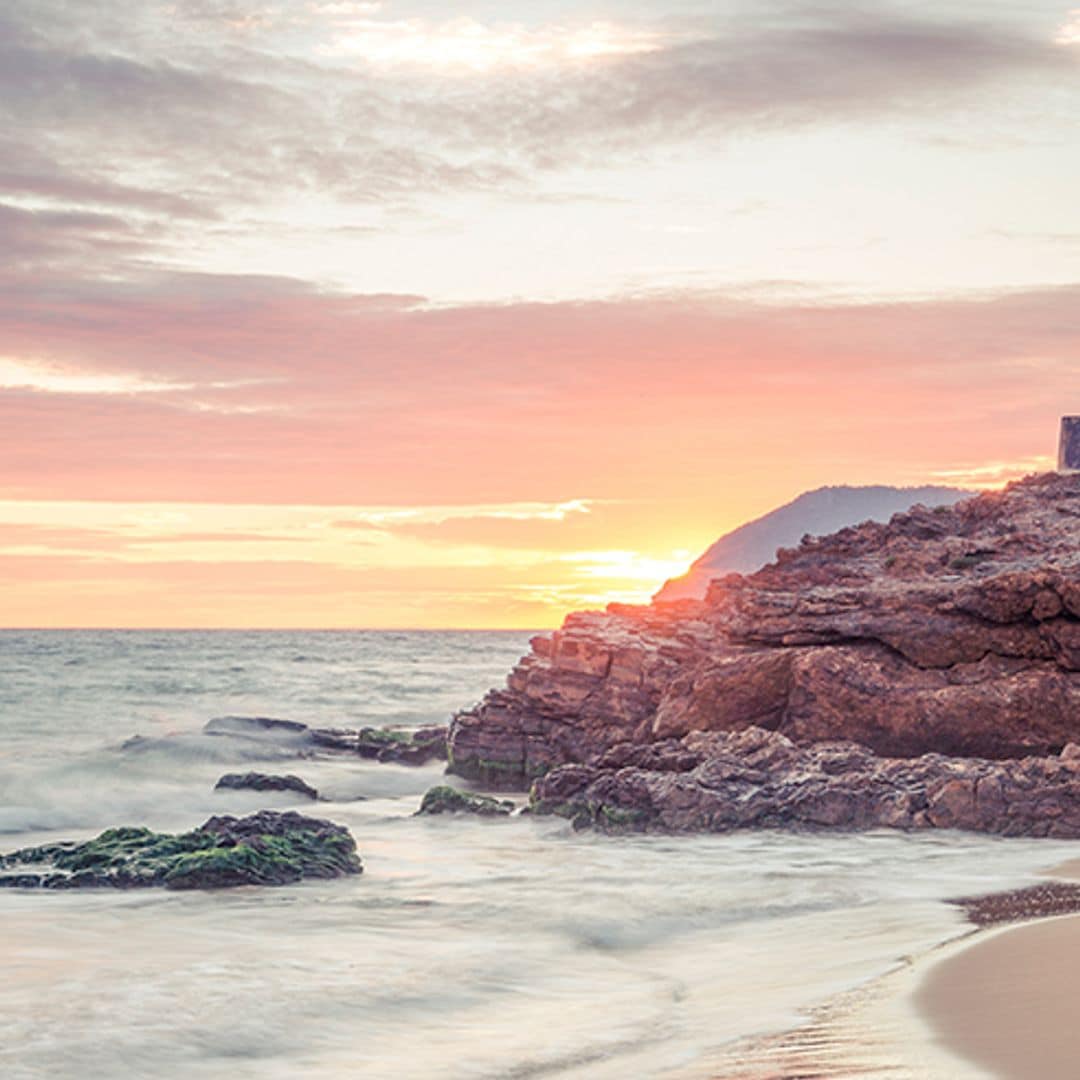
(253, 781)
(401, 746)
(756, 778)
(267, 848)
(448, 800)
(751, 546)
(952, 631)
(597, 682)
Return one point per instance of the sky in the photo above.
(406, 314)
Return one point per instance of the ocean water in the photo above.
(468, 949)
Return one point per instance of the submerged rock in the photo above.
(253, 726)
(448, 800)
(254, 781)
(951, 630)
(402, 746)
(267, 848)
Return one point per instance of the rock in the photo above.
(1016, 905)
(953, 630)
(760, 779)
(340, 739)
(253, 725)
(448, 800)
(402, 746)
(254, 781)
(751, 546)
(267, 848)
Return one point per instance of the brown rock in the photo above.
(758, 778)
(954, 630)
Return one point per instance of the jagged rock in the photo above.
(952, 630)
(755, 778)
(254, 781)
(751, 546)
(267, 848)
(448, 800)
(402, 746)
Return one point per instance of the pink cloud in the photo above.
(381, 400)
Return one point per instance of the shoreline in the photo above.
(1004, 1001)
(873, 1031)
(963, 1009)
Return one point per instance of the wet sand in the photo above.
(996, 1000)
(1008, 1002)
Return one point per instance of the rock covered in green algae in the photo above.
(448, 800)
(401, 746)
(255, 781)
(267, 848)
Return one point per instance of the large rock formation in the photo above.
(949, 631)
(757, 778)
(824, 510)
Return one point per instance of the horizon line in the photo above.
(279, 629)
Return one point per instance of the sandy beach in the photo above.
(1007, 1003)
(995, 1000)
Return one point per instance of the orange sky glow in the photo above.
(353, 314)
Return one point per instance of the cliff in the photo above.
(952, 632)
(751, 546)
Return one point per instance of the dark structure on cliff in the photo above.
(1069, 444)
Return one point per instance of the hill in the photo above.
(814, 513)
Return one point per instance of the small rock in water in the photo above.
(267, 848)
(448, 800)
(254, 781)
(343, 739)
(402, 747)
(253, 725)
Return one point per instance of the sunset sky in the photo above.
(414, 314)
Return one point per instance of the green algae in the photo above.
(587, 814)
(449, 800)
(267, 848)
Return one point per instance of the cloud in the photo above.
(383, 400)
(787, 73)
(156, 113)
(1069, 32)
(993, 474)
(466, 44)
(43, 378)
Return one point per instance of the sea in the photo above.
(469, 949)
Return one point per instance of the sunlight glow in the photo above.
(370, 561)
(1069, 34)
(469, 45)
(630, 566)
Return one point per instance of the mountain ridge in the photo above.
(817, 512)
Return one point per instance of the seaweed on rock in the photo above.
(267, 848)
